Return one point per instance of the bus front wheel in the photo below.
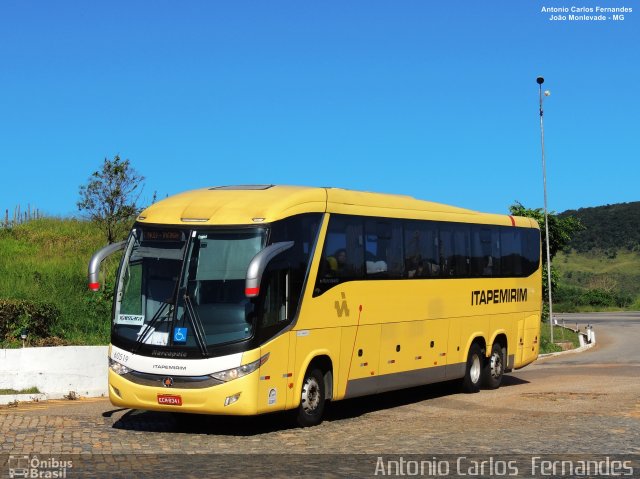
(473, 371)
(312, 399)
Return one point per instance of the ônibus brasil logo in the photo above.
(36, 467)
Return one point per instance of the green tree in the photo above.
(110, 198)
(561, 230)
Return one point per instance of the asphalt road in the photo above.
(616, 335)
(582, 404)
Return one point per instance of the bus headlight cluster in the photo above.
(118, 368)
(235, 373)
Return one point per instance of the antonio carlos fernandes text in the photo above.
(472, 467)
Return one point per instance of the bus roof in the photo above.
(251, 204)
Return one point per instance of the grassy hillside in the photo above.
(45, 261)
(596, 281)
(600, 268)
(609, 228)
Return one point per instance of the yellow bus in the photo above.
(243, 300)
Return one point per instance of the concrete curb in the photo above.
(57, 372)
(572, 351)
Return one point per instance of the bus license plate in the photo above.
(169, 399)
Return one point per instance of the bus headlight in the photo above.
(118, 368)
(235, 373)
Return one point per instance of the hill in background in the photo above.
(608, 228)
(600, 268)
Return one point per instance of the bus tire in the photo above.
(312, 399)
(494, 368)
(473, 371)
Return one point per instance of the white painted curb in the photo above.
(55, 371)
(584, 346)
(570, 351)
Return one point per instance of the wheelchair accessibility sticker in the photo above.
(179, 335)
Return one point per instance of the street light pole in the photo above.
(540, 81)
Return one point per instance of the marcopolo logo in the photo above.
(36, 467)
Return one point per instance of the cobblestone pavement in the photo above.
(586, 403)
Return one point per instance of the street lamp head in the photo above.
(540, 80)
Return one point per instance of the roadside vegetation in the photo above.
(31, 390)
(597, 281)
(44, 296)
(43, 285)
(560, 336)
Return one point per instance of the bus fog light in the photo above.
(231, 399)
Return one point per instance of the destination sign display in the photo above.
(162, 235)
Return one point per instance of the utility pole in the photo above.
(540, 81)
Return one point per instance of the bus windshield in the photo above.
(185, 289)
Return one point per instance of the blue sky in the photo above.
(434, 99)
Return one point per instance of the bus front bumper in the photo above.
(237, 397)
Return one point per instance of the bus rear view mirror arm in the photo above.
(259, 263)
(97, 259)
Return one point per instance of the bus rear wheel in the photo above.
(494, 368)
(312, 399)
(473, 371)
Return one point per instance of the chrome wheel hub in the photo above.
(310, 395)
(496, 366)
(474, 372)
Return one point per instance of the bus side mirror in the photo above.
(259, 263)
(97, 259)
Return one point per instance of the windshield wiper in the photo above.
(146, 333)
(197, 325)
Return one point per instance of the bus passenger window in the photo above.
(485, 253)
(384, 248)
(511, 252)
(531, 251)
(342, 254)
(461, 250)
(421, 249)
(446, 252)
